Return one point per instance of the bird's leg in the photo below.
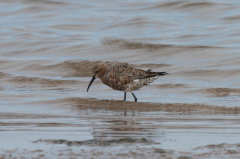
(125, 96)
(134, 97)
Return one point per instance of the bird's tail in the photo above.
(161, 73)
(155, 74)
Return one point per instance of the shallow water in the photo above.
(48, 49)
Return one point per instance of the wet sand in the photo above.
(49, 47)
(110, 128)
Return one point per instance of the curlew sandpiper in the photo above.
(123, 77)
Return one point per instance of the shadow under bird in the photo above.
(123, 77)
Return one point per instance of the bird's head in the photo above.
(98, 72)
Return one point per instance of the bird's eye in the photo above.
(96, 72)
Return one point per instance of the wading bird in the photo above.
(123, 77)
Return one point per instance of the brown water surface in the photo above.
(49, 47)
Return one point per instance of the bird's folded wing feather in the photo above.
(127, 74)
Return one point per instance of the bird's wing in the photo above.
(126, 74)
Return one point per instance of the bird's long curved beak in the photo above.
(93, 78)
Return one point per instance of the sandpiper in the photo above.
(123, 77)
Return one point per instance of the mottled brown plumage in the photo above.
(123, 77)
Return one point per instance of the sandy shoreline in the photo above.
(127, 133)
